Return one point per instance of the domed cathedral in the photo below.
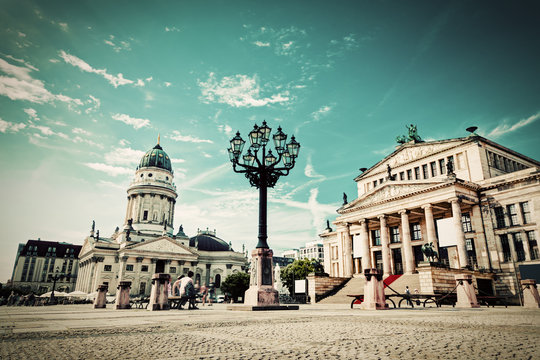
(146, 244)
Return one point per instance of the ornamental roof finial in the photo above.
(158, 138)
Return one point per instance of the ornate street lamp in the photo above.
(55, 277)
(263, 169)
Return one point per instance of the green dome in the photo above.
(156, 157)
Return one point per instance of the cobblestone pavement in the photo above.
(313, 332)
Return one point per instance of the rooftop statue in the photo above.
(411, 136)
(345, 199)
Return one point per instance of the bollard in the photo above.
(374, 298)
(159, 296)
(531, 298)
(101, 298)
(122, 296)
(466, 297)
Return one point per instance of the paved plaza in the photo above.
(313, 332)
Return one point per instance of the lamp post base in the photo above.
(261, 291)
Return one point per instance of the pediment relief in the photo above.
(411, 153)
(164, 245)
(87, 246)
(388, 192)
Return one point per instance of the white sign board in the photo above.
(357, 247)
(300, 286)
(446, 232)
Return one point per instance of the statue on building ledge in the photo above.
(411, 136)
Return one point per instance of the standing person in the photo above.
(204, 292)
(408, 295)
(211, 291)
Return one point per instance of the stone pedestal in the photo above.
(374, 298)
(101, 298)
(531, 298)
(159, 296)
(122, 295)
(261, 290)
(466, 297)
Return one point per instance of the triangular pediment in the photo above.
(87, 246)
(162, 245)
(412, 152)
(390, 191)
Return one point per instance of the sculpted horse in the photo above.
(429, 252)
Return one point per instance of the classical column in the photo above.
(347, 253)
(406, 242)
(122, 267)
(385, 244)
(91, 277)
(430, 226)
(99, 268)
(525, 244)
(364, 243)
(128, 208)
(458, 228)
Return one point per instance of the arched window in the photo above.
(217, 281)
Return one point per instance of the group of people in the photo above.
(187, 290)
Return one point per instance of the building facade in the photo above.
(37, 261)
(146, 243)
(312, 250)
(475, 201)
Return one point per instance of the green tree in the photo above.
(235, 285)
(298, 270)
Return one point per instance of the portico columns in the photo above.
(406, 238)
(364, 243)
(385, 244)
(347, 253)
(462, 251)
(430, 227)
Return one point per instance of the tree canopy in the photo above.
(298, 270)
(236, 285)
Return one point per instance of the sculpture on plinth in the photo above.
(412, 135)
(429, 252)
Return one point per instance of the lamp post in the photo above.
(55, 277)
(263, 169)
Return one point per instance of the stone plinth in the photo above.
(101, 298)
(261, 290)
(319, 286)
(159, 296)
(531, 298)
(122, 295)
(374, 298)
(466, 297)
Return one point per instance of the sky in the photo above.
(87, 86)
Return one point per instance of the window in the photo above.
(518, 245)
(466, 222)
(471, 252)
(107, 268)
(417, 173)
(150, 175)
(533, 245)
(450, 159)
(402, 175)
(507, 256)
(381, 181)
(525, 212)
(145, 215)
(142, 288)
(394, 234)
(425, 171)
(409, 174)
(499, 217)
(129, 267)
(217, 281)
(172, 270)
(433, 166)
(416, 232)
(442, 166)
(376, 237)
(144, 268)
(375, 183)
(512, 214)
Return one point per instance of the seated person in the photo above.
(187, 291)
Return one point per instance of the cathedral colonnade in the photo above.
(392, 240)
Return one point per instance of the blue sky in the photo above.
(85, 88)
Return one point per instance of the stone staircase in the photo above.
(356, 286)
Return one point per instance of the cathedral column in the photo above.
(128, 208)
(137, 286)
(406, 242)
(458, 227)
(385, 244)
(122, 268)
(430, 227)
(91, 277)
(99, 268)
(364, 243)
(347, 253)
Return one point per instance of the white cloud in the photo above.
(19, 85)
(135, 122)
(81, 64)
(167, 84)
(78, 139)
(64, 26)
(124, 156)
(225, 129)
(177, 161)
(118, 46)
(81, 131)
(177, 136)
(95, 101)
(54, 61)
(324, 110)
(261, 44)
(32, 113)
(6, 126)
(172, 29)
(503, 129)
(124, 142)
(110, 170)
(238, 91)
(139, 82)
